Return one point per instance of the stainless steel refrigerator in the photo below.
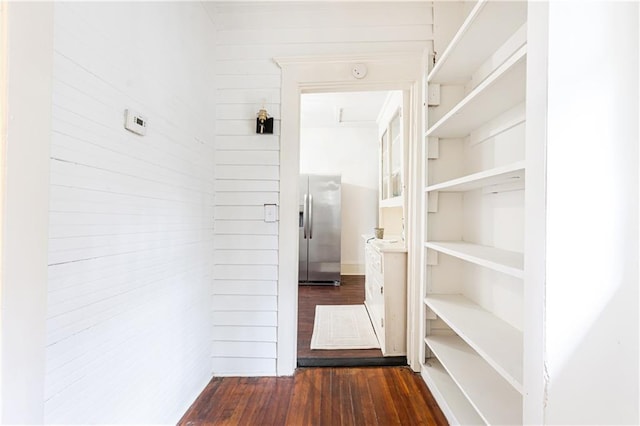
(320, 229)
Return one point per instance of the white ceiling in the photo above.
(346, 109)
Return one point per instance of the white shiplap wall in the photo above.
(131, 218)
(247, 165)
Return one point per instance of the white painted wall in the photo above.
(353, 153)
(26, 136)
(591, 300)
(131, 218)
(248, 38)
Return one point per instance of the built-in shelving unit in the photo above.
(448, 395)
(488, 178)
(473, 199)
(503, 89)
(504, 261)
(499, 343)
(481, 34)
(495, 400)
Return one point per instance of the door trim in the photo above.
(399, 71)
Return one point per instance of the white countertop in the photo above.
(391, 243)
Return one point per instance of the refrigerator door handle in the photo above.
(310, 216)
(304, 216)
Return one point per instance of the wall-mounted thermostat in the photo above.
(134, 122)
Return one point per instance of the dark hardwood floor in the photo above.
(318, 396)
(350, 292)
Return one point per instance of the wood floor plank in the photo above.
(329, 412)
(397, 388)
(306, 398)
(342, 388)
(318, 396)
(253, 410)
(363, 405)
(275, 410)
(383, 400)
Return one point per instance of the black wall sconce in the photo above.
(264, 123)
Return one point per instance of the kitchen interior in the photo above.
(352, 250)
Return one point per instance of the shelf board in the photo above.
(499, 343)
(496, 176)
(448, 395)
(502, 90)
(397, 201)
(492, 397)
(508, 262)
(487, 27)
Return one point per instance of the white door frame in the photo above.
(333, 74)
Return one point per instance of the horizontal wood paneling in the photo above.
(247, 143)
(254, 287)
(319, 16)
(235, 53)
(246, 198)
(259, 97)
(244, 303)
(247, 165)
(274, 36)
(246, 242)
(131, 237)
(242, 127)
(229, 157)
(251, 67)
(242, 111)
(249, 318)
(242, 82)
(234, 366)
(245, 350)
(246, 185)
(249, 334)
(256, 172)
(249, 227)
(246, 272)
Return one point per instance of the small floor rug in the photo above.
(343, 327)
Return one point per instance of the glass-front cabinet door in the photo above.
(395, 136)
(391, 158)
(384, 166)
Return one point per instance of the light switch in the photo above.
(270, 213)
(433, 95)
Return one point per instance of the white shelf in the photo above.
(499, 343)
(497, 176)
(508, 262)
(448, 395)
(502, 90)
(492, 397)
(486, 28)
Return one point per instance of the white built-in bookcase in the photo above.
(474, 211)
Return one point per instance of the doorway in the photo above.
(391, 71)
(340, 137)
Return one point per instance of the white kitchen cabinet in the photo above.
(393, 140)
(386, 293)
(473, 198)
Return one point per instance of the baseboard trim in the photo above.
(389, 361)
(351, 269)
